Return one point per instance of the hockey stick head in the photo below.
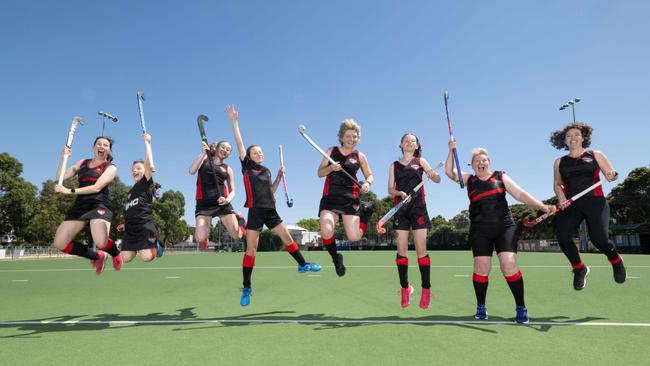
(202, 118)
(527, 223)
(78, 120)
(108, 116)
(290, 202)
(446, 96)
(140, 95)
(302, 128)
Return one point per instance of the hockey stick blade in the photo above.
(284, 181)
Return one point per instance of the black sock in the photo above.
(330, 246)
(403, 270)
(78, 249)
(111, 248)
(480, 288)
(247, 272)
(424, 264)
(516, 284)
(297, 255)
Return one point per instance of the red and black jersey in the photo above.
(206, 187)
(138, 202)
(257, 181)
(337, 184)
(407, 177)
(87, 176)
(487, 198)
(580, 173)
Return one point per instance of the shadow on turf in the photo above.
(318, 321)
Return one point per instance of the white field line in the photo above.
(19, 280)
(172, 277)
(310, 321)
(270, 267)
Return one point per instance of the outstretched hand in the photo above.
(232, 112)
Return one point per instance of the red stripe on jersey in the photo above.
(326, 187)
(598, 192)
(355, 191)
(199, 191)
(422, 189)
(88, 179)
(488, 193)
(249, 191)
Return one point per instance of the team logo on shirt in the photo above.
(353, 161)
(101, 211)
(420, 220)
(223, 169)
(98, 170)
(415, 167)
(588, 159)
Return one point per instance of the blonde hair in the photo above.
(348, 124)
(480, 151)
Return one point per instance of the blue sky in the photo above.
(508, 66)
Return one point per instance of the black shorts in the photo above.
(340, 205)
(258, 217)
(139, 236)
(85, 212)
(412, 217)
(212, 208)
(485, 238)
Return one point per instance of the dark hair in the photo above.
(248, 150)
(558, 137)
(418, 152)
(110, 144)
(154, 185)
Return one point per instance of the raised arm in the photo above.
(148, 157)
(278, 177)
(450, 170)
(522, 196)
(196, 164)
(233, 114)
(606, 166)
(71, 171)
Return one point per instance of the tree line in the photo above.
(33, 215)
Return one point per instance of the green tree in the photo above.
(630, 200)
(167, 212)
(17, 197)
(309, 224)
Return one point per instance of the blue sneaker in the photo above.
(522, 315)
(159, 250)
(481, 312)
(309, 267)
(245, 296)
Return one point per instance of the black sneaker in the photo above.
(580, 278)
(365, 211)
(620, 274)
(339, 266)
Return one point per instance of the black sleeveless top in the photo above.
(488, 200)
(87, 176)
(206, 188)
(138, 202)
(580, 173)
(257, 182)
(337, 184)
(407, 177)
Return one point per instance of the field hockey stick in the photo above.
(451, 134)
(147, 144)
(284, 181)
(199, 121)
(68, 143)
(389, 215)
(564, 205)
(302, 129)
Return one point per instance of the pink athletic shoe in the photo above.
(99, 262)
(406, 296)
(117, 262)
(425, 299)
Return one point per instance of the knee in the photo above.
(146, 256)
